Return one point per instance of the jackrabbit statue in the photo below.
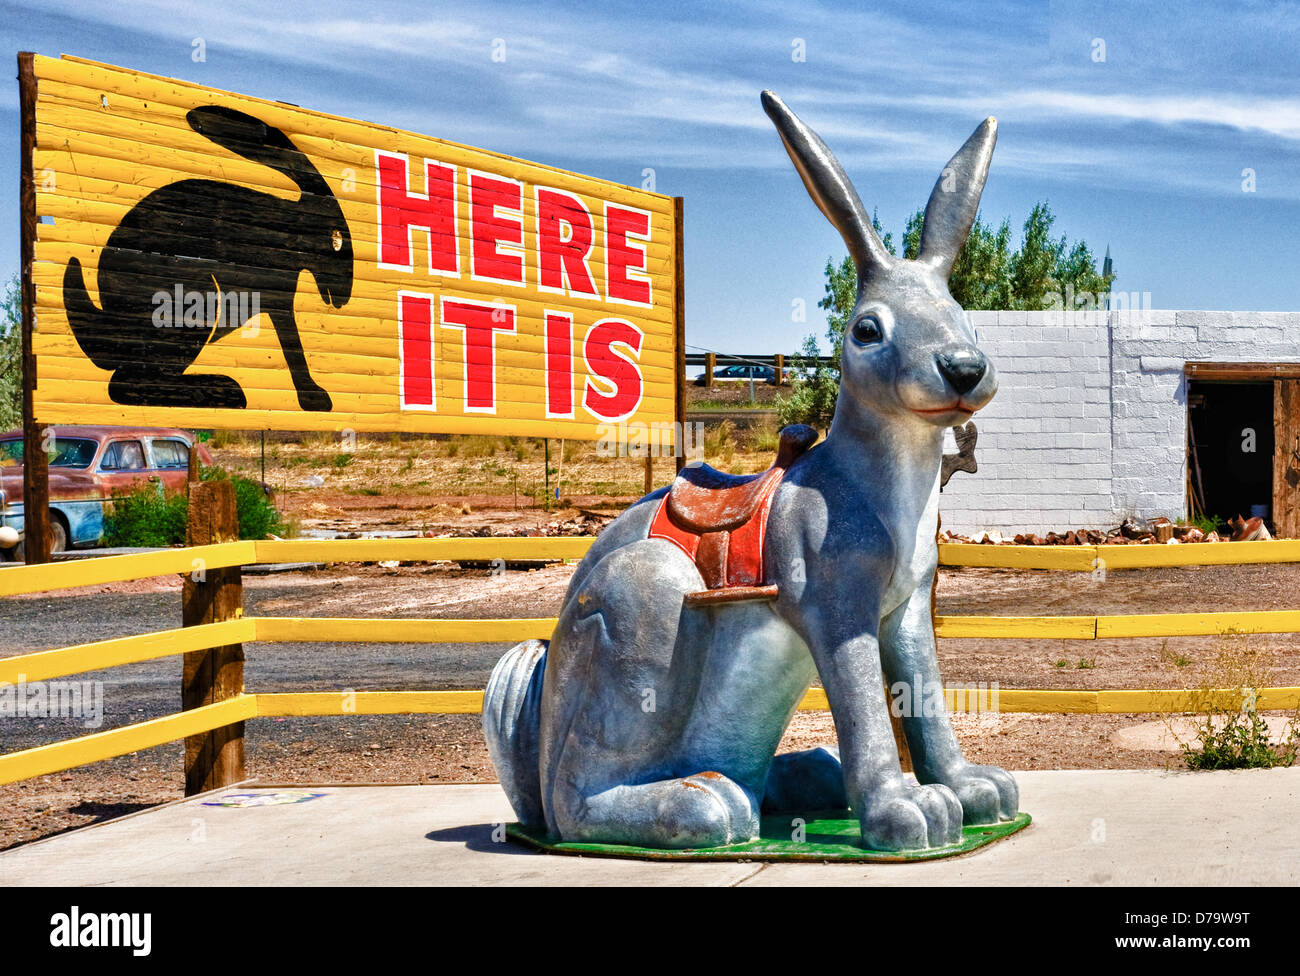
(700, 616)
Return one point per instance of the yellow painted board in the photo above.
(111, 569)
(1163, 700)
(72, 412)
(421, 550)
(1193, 624)
(109, 137)
(814, 700)
(1267, 699)
(349, 702)
(86, 82)
(123, 650)
(258, 379)
(1050, 701)
(389, 630)
(1017, 557)
(119, 742)
(1201, 554)
(1070, 628)
(372, 293)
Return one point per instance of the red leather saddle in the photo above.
(719, 520)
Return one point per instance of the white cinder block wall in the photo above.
(1089, 424)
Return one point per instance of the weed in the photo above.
(1229, 732)
(478, 445)
(342, 460)
(767, 440)
(1167, 656)
(1062, 663)
(1086, 664)
(226, 438)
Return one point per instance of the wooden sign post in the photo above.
(36, 462)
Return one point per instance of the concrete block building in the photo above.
(1106, 414)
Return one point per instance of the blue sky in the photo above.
(1142, 151)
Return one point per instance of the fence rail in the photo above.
(18, 580)
(242, 706)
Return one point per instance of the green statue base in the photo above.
(823, 835)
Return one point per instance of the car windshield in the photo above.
(69, 452)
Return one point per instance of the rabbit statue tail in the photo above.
(94, 334)
(512, 726)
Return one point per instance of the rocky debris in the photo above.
(1131, 532)
(1248, 530)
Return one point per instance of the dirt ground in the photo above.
(433, 749)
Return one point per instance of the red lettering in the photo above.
(496, 220)
(401, 212)
(480, 321)
(617, 370)
(625, 279)
(564, 233)
(415, 326)
(559, 364)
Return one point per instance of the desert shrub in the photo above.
(145, 517)
(1236, 737)
(258, 517)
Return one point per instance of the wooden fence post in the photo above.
(780, 369)
(710, 363)
(216, 758)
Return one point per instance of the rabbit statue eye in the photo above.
(336, 239)
(866, 330)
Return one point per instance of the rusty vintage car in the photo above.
(87, 466)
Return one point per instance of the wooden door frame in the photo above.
(1286, 510)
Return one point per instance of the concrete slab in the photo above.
(1090, 828)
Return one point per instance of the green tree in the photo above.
(11, 356)
(1034, 266)
(1043, 272)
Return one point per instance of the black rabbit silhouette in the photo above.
(200, 236)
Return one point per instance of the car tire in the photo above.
(58, 534)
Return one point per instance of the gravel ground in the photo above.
(410, 749)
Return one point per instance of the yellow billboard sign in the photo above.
(206, 259)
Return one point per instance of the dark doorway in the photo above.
(1230, 441)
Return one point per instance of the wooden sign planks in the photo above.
(207, 259)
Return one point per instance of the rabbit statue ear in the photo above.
(956, 199)
(828, 185)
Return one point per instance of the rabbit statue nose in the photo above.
(963, 369)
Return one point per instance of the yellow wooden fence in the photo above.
(44, 665)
